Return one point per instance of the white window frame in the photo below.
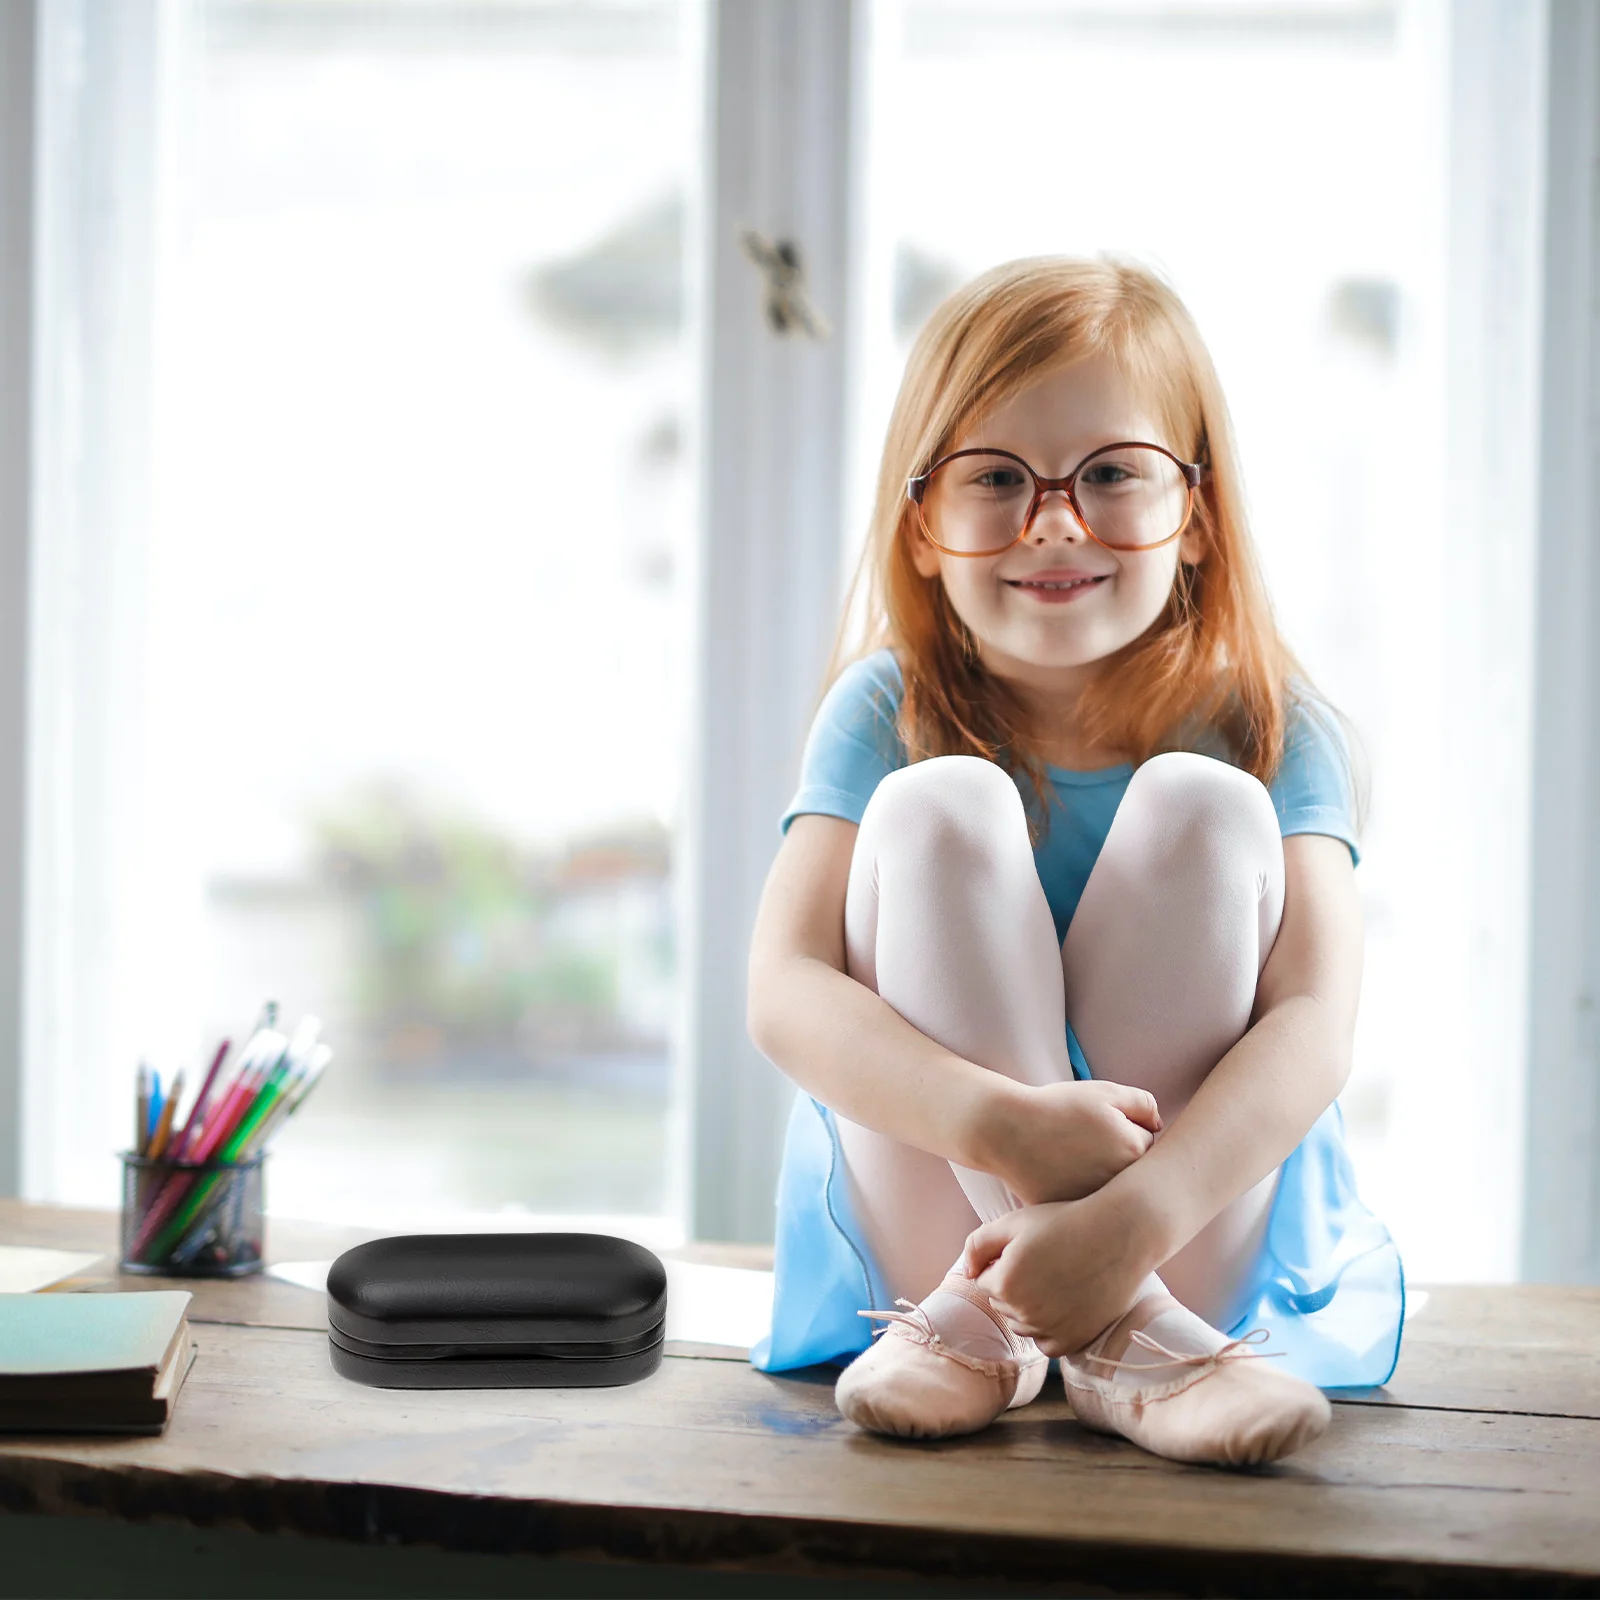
(1480, 613)
(89, 111)
(783, 101)
(1561, 1209)
(18, 117)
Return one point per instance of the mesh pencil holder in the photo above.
(192, 1219)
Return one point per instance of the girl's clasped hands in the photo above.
(1068, 1261)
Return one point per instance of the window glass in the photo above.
(1276, 164)
(416, 583)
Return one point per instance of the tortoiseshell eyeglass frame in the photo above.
(1194, 473)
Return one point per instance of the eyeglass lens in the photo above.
(1130, 497)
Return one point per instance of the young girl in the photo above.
(1062, 942)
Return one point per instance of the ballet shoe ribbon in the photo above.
(916, 1318)
(913, 1315)
(1233, 1350)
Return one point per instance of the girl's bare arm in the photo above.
(835, 1037)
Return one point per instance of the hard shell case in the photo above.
(496, 1311)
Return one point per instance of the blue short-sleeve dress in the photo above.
(1328, 1285)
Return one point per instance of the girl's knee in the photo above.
(1204, 803)
(955, 804)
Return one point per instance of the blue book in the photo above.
(92, 1363)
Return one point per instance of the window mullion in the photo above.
(1561, 1205)
(19, 23)
(75, 525)
(781, 101)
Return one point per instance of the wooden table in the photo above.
(1477, 1471)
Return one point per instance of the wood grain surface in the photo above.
(1477, 1471)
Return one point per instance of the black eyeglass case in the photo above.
(496, 1311)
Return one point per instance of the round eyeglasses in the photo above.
(1127, 496)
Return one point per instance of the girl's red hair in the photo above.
(1214, 659)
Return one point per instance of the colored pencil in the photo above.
(235, 1113)
(163, 1132)
(263, 1052)
(291, 1102)
(179, 1184)
(141, 1111)
(191, 1126)
(162, 1198)
(228, 1141)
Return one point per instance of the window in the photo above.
(1283, 166)
(408, 648)
(436, 552)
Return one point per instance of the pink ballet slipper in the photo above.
(914, 1383)
(1221, 1407)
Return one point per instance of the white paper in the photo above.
(308, 1274)
(717, 1305)
(24, 1269)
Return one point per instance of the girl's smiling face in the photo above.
(1040, 640)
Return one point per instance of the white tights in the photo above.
(946, 919)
